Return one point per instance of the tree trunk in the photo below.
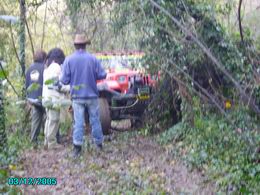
(22, 41)
(240, 22)
(3, 138)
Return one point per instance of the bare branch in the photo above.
(2, 68)
(15, 50)
(209, 54)
(44, 24)
(30, 36)
(239, 21)
(37, 4)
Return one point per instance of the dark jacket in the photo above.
(34, 75)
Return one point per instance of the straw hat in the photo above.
(81, 39)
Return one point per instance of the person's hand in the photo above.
(56, 86)
(70, 109)
(28, 105)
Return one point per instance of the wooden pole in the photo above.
(3, 138)
(22, 42)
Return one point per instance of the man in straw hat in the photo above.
(81, 70)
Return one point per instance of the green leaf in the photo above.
(2, 74)
(3, 173)
(78, 87)
(33, 87)
(49, 82)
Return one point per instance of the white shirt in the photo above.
(50, 96)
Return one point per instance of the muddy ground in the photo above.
(129, 164)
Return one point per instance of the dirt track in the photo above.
(129, 163)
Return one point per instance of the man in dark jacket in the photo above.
(82, 70)
(34, 83)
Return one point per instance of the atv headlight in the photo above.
(121, 79)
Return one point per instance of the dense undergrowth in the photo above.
(10, 159)
(220, 141)
(226, 150)
(217, 97)
(18, 141)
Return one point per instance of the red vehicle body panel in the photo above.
(119, 79)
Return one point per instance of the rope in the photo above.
(125, 107)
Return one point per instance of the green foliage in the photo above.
(49, 81)
(17, 142)
(4, 188)
(227, 153)
(160, 114)
(2, 74)
(100, 23)
(170, 50)
(174, 134)
(225, 148)
(3, 139)
(9, 159)
(78, 87)
(33, 87)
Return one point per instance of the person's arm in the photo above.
(65, 73)
(65, 88)
(100, 72)
(57, 71)
(55, 75)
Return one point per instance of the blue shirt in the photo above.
(81, 70)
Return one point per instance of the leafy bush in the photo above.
(9, 159)
(226, 150)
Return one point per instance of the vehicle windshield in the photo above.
(116, 64)
(120, 62)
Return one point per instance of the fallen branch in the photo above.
(209, 54)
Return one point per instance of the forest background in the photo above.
(207, 51)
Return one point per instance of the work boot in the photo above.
(45, 147)
(58, 137)
(100, 146)
(76, 151)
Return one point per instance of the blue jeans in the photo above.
(79, 107)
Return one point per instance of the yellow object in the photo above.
(143, 97)
(228, 104)
(12, 167)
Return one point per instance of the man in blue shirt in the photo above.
(81, 70)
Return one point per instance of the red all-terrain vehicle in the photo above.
(126, 91)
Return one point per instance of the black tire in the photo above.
(105, 117)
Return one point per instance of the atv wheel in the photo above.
(105, 118)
